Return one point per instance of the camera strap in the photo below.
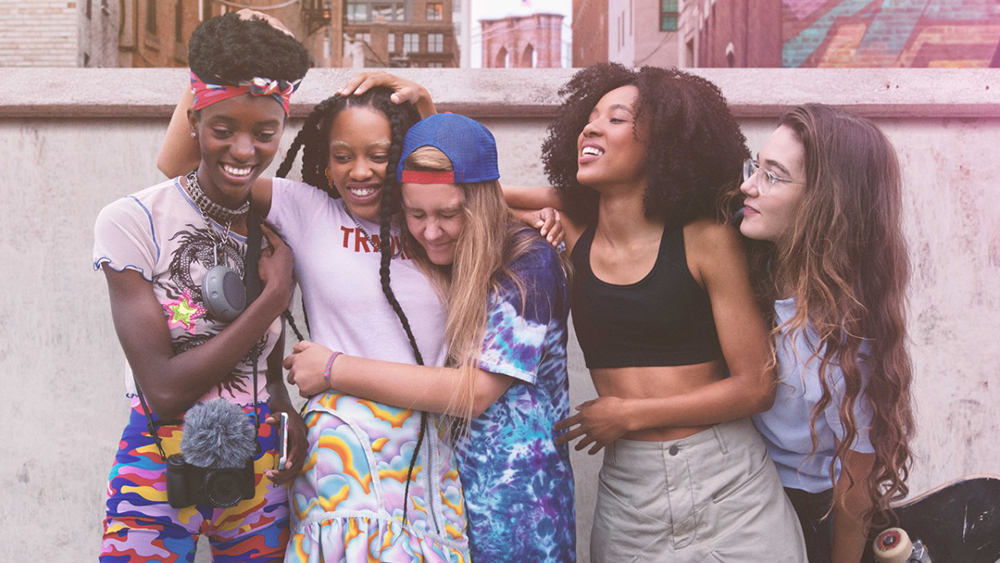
(253, 285)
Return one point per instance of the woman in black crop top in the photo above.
(664, 311)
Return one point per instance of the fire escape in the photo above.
(316, 14)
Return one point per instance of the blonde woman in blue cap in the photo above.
(506, 384)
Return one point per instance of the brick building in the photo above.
(400, 33)
(845, 33)
(630, 32)
(732, 33)
(155, 33)
(39, 33)
(528, 41)
(590, 28)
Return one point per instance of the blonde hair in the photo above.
(490, 241)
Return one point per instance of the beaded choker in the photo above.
(221, 213)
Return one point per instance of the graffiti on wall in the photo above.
(897, 33)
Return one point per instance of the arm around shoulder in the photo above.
(179, 153)
(718, 261)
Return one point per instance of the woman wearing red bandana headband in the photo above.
(410, 506)
(156, 248)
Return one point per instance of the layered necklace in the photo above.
(208, 207)
(222, 290)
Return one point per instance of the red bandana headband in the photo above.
(208, 94)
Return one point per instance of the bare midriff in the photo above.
(657, 382)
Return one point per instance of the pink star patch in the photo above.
(183, 311)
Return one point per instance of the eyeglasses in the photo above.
(750, 167)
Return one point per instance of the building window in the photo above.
(89, 7)
(357, 12)
(411, 43)
(437, 64)
(668, 15)
(435, 42)
(382, 13)
(392, 43)
(435, 11)
(151, 16)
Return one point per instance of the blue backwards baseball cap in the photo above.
(469, 146)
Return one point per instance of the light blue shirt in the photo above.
(785, 427)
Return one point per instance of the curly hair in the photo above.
(229, 49)
(695, 151)
(847, 262)
(314, 140)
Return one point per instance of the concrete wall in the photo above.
(66, 152)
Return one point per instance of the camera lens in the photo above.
(222, 487)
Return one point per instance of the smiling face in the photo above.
(237, 138)
(359, 153)
(770, 217)
(611, 149)
(435, 217)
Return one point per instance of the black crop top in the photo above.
(664, 319)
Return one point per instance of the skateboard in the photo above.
(958, 522)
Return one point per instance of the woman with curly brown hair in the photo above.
(665, 314)
(824, 196)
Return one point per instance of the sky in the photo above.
(482, 9)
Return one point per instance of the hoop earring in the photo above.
(329, 178)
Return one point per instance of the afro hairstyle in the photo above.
(229, 49)
(696, 149)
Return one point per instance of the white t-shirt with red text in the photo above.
(338, 271)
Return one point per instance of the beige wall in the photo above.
(66, 152)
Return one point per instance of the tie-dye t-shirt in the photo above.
(518, 483)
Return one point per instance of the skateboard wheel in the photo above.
(892, 546)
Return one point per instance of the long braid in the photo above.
(310, 137)
(397, 126)
(313, 139)
(389, 207)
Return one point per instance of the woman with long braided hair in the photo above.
(380, 481)
(506, 381)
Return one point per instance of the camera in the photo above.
(221, 487)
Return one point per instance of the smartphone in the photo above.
(282, 445)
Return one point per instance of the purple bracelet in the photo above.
(329, 366)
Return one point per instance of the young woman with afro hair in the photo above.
(664, 312)
(156, 247)
(379, 481)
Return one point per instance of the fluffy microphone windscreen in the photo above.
(217, 434)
